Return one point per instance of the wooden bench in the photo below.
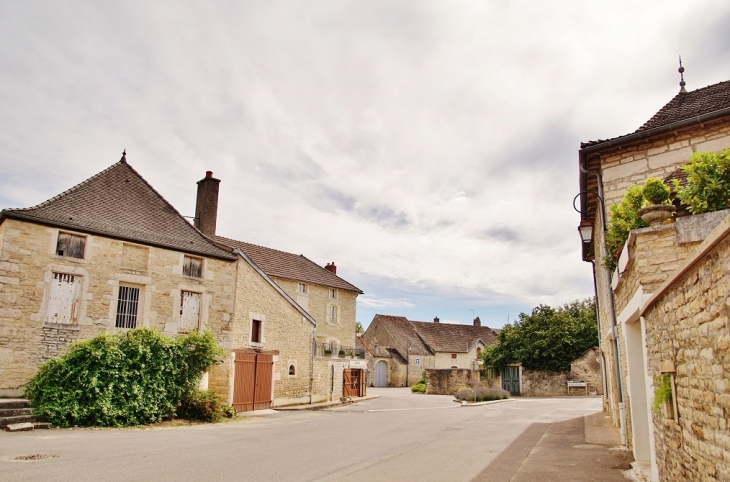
(578, 384)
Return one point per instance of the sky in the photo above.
(428, 148)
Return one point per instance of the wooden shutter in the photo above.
(64, 298)
(189, 311)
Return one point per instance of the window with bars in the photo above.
(70, 245)
(256, 326)
(127, 307)
(189, 311)
(64, 298)
(333, 314)
(193, 267)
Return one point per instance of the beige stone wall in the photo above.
(462, 360)
(27, 266)
(588, 368)
(689, 326)
(316, 301)
(284, 329)
(448, 381)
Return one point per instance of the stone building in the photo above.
(400, 350)
(316, 291)
(111, 254)
(635, 339)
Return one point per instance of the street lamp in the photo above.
(585, 228)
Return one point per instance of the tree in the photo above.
(358, 327)
(548, 339)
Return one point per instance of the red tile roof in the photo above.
(449, 337)
(683, 106)
(119, 203)
(280, 264)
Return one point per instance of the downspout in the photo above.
(600, 338)
(311, 366)
(611, 304)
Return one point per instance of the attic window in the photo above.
(453, 355)
(193, 267)
(301, 288)
(333, 294)
(71, 245)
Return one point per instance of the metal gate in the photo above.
(511, 379)
(353, 383)
(381, 374)
(252, 381)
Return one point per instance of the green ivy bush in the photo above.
(662, 392)
(130, 378)
(708, 182)
(623, 218)
(481, 394)
(203, 405)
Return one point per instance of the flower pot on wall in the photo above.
(657, 213)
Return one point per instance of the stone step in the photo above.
(19, 427)
(5, 421)
(42, 425)
(14, 403)
(11, 412)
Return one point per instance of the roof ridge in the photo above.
(69, 190)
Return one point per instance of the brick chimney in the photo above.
(436, 320)
(477, 321)
(331, 267)
(206, 205)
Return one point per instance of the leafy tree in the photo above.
(708, 182)
(548, 339)
(358, 327)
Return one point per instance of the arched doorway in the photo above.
(381, 374)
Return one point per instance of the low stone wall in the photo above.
(446, 381)
(539, 383)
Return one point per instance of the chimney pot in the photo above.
(477, 321)
(436, 320)
(208, 174)
(331, 267)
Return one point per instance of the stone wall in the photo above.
(284, 329)
(27, 266)
(441, 381)
(463, 360)
(689, 326)
(587, 368)
(316, 301)
(539, 383)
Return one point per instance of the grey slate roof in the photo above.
(119, 203)
(453, 338)
(281, 264)
(403, 331)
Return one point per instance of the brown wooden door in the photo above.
(351, 383)
(252, 381)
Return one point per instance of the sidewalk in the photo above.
(575, 450)
(322, 405)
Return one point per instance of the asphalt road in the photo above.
(399, 436)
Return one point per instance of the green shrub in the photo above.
(708, 182)
(481, 394)
(655, 191)
(130, 378)
(662, 392)
(202, 405)
(419, 388)
(622, 219)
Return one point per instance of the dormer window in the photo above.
(301, 287)
(192, 267)
(71, 245)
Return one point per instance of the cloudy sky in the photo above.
(429, 148)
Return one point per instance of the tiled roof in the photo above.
(691, 104)
(281, 264)
(448, 337)
(683, 106)
(396, 354)
(403, 331)
(119, 203)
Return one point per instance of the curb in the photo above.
(323, 405)
(464, 403)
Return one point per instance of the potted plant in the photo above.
(656, 196)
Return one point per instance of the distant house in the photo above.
(662, 313)
(400, 349)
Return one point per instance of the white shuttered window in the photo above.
(64, 298)
(189, 311)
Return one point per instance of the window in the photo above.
(64, 297)
(127, 307)
(453, 355)
(453, 368)
(292, 370)
(333, 314)
(189, 311)
(301, 288)
(193, 267)
(333, 294)
(418, 361)
(70, 245)
(256, 326)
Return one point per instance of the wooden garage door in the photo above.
(252, 381)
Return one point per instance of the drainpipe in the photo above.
(611, 305)
(600, 338)
(311, 366)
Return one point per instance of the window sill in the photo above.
(62, 326)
